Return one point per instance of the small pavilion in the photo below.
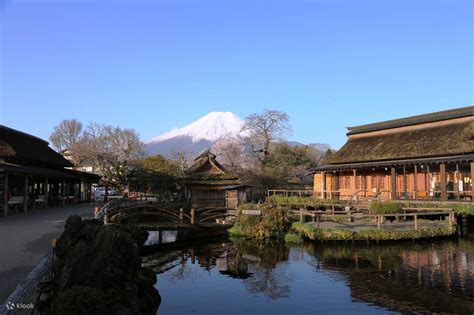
(426, 157)
(209, 184)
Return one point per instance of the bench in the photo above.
(15, 201)
(41, 200)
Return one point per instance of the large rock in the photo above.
(98, 269)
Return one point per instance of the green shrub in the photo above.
(273, 223)
(385, 207)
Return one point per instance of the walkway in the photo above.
(26, 237)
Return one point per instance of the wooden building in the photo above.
(209, 184)
(32, 175)
(425, 157)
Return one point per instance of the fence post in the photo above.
(193, 216)
(378, 222)
(450, 217)
(181, 214)
(301, 216)
(317, 220)
(416, 221)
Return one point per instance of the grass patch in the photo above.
(319, 234)
(293, 238)
(459, 208)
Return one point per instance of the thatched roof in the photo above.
(207, 171)
(414, 120)
(435, 141)
(6, 149)
(19, 146)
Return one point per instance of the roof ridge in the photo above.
(413, 120)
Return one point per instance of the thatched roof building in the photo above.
(33, 174)
(438, 144)
(209, 184)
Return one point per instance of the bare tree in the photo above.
(263, 129)
(183, 157)
(66, 134)
(113, 152)
(230, 152)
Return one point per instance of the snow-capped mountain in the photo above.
(198, 135)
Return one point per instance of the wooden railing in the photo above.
(379, 218)
(290, 192)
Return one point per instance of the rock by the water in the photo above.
(98, 270)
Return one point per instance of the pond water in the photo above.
(238, 276)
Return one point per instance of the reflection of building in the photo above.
(34, 175)
(426, 157)
(420, 278)
(209, 184)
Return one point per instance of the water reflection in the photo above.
(357, 278)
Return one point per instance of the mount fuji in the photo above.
(198, 135)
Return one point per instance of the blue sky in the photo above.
(155, 65)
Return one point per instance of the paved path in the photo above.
(26, 237)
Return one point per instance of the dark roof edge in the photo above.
(8, 129)
(333, 167)
(413, 120)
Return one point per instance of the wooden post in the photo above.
(317, 221)
(301, 215)
(450, 218)
(416, 221)
(323, 185)
(46, 192)
(181, 214)
(415, 183)
(393, 183)
(331, 185)
(428, 182)
(378, 222)
(456, 182)
(63, 193)
(354, 174)
(193, 216)
(25, 195)
(472, 181)
(5, 196)
(404, 182)
(442, 170)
